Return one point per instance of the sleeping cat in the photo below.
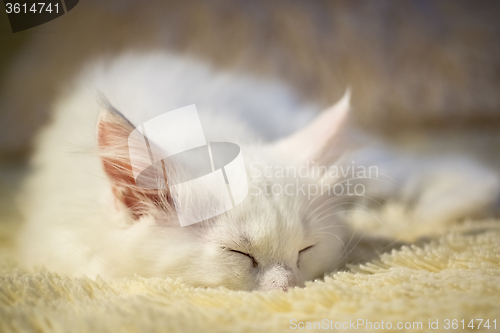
(86, 215)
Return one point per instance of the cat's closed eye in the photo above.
(305, 249)
(254, 262)
(301, 251)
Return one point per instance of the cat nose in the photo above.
(278, 276)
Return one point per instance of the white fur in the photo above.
(74, 225)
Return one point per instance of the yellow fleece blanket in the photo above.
(445, 283)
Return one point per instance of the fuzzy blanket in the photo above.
(426, 288)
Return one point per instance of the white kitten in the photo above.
(86, 216)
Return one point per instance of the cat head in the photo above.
(284, 233)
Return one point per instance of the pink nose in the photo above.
(278, 276)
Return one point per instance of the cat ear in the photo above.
(113, 132)
(322, 136)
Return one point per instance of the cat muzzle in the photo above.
(278, 276)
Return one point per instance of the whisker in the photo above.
(340, 240)
(328, 201)
(369, 212)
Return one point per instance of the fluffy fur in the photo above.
(85, 214)
(79, 216)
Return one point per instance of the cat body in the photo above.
(80, 222)
(85, 215)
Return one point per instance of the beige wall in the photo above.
(409, 63)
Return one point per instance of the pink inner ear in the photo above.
(309, 142)
(113, 132)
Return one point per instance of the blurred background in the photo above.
(424, 73)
